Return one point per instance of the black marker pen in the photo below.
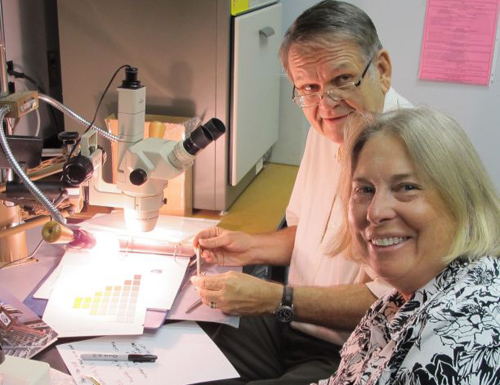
(119, 357)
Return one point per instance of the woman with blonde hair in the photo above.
(422, 212)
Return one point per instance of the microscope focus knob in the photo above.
(68, 137)
(138, 177)
(77, 170)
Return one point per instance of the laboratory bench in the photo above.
(260, 208)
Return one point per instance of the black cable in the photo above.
(21, 75)
(28, 78)
(96, 111)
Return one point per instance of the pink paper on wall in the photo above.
(459, 41)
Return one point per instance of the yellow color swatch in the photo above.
(78, 303)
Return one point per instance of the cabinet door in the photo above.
(255, 88)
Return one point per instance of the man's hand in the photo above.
(224, 247)
(235, 248)
(239, 293)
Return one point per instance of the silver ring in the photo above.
(212, 305)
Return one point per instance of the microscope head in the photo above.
(148, 166)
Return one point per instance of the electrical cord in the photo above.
(77, 143)
(21, 75)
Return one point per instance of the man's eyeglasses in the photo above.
(337, 94)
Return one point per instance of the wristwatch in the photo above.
(284, 312)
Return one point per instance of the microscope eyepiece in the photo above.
(183, 154)
(204, 135)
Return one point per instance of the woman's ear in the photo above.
(384, 68)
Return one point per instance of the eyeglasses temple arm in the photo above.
(364, 73)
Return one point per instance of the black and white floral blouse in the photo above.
(447, 333)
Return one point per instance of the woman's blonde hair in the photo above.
(444, 159)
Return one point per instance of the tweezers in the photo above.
(194, 306)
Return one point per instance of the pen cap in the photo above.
(142, 357)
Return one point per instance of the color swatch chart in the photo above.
(119, 301)
(98, 300)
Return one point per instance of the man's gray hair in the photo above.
(327, 23)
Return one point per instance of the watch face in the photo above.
(284, 314)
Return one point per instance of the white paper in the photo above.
(46, 287)
(185, 355)
(163, 274)
(90, 301)
(60, 378)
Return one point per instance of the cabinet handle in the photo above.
(267, 31)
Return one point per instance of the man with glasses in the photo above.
(337, 65)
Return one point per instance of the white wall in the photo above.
(292, 131)
(400, 27)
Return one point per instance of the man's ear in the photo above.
(384, 68)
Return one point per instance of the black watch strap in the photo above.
(284, 312)
(287, 299)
